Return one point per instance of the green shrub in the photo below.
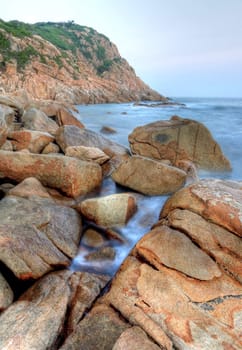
(104, 67)
(4, 42)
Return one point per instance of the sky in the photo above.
(180, 48)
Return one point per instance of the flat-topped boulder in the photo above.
(72, 176)
(179, 139)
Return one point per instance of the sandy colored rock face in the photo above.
(148, 176)
(216, 200)
(72, 176)
(110, 210)
(179, 139)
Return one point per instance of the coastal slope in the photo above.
(67, 62)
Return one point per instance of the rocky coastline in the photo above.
(180, 286)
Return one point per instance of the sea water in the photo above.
(223, 117)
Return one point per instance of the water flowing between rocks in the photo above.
(123, 118)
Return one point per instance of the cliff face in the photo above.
(66, 62)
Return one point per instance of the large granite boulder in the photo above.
(41, 318)
(179, 139)
(182, 282)
(71, 135)
(37, 235)
(148, 176)
(34, 119)
(73, 177)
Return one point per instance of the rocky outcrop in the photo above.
(38, 318)
(182, 282)
(67, 62)
(179, 139)
(148, 176)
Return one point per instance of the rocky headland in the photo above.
(67, 62)
(180, 286)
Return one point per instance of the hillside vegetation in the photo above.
(66, 54)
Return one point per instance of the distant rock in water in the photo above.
(67, 62)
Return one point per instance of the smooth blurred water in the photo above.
(223, 117)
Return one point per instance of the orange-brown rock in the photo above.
(182, 282)
(134, 338)
(28, 188)
(98, 330)
(70, 135)
(51, 148)
(65, 117)
(149, 176)
(87, 153)
(179, 139)
(73, 177)
(73, 136)
(37, 235)
(115, 209)
(216, 200)
(169, 247)
(38, 320)
(34, 119)
(169, 314)
(224, 247)
(34, 141)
